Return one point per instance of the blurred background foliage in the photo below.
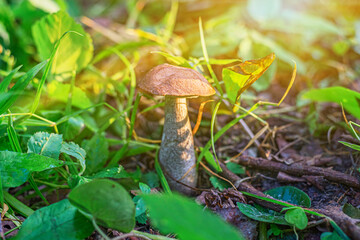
(322, 37)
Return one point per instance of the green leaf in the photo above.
(58, 221)
(235, 168)
(297, 217)
(171, 213)
(351, 145)
(75, 180)
(144, 188)
(115, 172)
(348, 98)
(262, 216)
(97, 150)
(15, 167)
(209, 157)
(77, 50)
(5, 83)
(17, 205)
(45, 144)
(330, 236)
(108, 203)
(233, 82)
(291, 195)
(140, 208)
(7, 99)
(241, 76)
(351, 211)
(72, 127)
(151, 179)
(178, 60)
(76, 151)
(60, 92)
(219, 183)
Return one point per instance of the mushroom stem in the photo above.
(177, 154)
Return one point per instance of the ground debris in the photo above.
(224, 204)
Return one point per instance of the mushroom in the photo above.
(177, 156)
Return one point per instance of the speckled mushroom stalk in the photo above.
(177, 156)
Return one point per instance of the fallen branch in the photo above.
(297, 169)
(346, 223)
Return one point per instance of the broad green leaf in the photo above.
(151, 179)
(58, 221)
(235, 168)
(297, 217)
(45, 144)
(233, 83)
(115, 172)
(76, 151)
(240, 77)
(75, 180)
(72, 128)
(144, 188)
(140, 208)
(291, 195)
(15, 167)
(7, 99)
(219, 183)
(209, 157)
(60, 92)
(108, 203)
(348, 98)
(262, 216)
(75, 51)
(351, 211)
(171, 213)
(97, 153)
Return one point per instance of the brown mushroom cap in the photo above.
(169, 80)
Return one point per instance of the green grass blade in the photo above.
(133, 116)
(14, 141)
(5, 83)
(37, 190)
(72, 84)
(132, 76)
(338, 230)
(7, 99)
(213, 117)
(17, 205)
(47, 70)
(219, 134)
(1, 194)
(171, 20)
(161, 175)
(206, 56)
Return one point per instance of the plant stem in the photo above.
(98, 229)
(52, 184)
(142, 235)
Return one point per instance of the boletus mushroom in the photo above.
(177, 156)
